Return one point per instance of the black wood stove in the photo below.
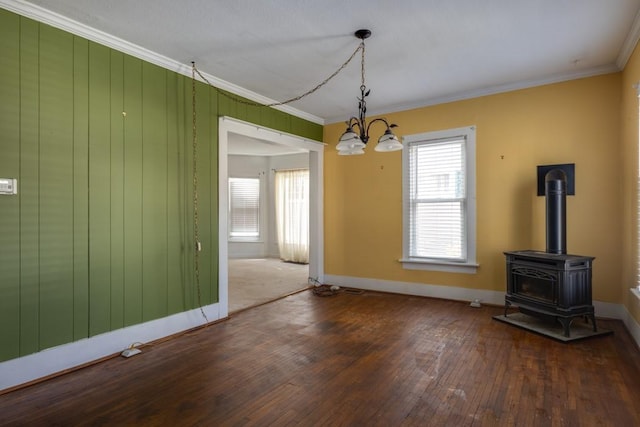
(551, 284)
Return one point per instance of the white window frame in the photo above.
(635, 290)
(257, 238)
(469, 265)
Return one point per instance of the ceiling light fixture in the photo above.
(352, 143)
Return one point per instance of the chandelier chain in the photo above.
(362, 64)
(196, 232)
(290, 100)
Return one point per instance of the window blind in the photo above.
(244, 207)
(437, 192)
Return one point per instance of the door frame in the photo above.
(227, 125)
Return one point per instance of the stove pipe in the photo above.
(555, 185)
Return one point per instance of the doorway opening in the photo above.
(249, 258)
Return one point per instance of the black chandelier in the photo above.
(352, 143)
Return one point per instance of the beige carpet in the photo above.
(256, 281)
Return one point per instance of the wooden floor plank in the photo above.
(371, 359)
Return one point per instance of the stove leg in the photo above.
(507, 304)
(593, 320)
(566, 324)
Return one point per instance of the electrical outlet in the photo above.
(130, 352)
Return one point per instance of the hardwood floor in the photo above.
(352, 360)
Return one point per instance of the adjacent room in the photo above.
(319, 213)
(268, 221)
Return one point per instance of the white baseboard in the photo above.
(57, 359)
(418, 289)
(631, 323)
(603, 309)
(609, 310)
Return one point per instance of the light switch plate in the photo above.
(8, 186)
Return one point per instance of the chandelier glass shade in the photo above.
(352, 143)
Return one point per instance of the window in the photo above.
(439, 201)
(244, 208)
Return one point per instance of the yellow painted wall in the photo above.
(570, 122)
(629, 174)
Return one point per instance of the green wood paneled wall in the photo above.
(100, 235)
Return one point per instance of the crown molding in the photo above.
(492, 90)
(61, 22)
(629, 43)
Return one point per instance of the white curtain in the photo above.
(292, 214)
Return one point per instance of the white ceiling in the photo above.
(422, 52)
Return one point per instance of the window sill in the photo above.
(449, 267)
(241, 240)
(636, 292)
